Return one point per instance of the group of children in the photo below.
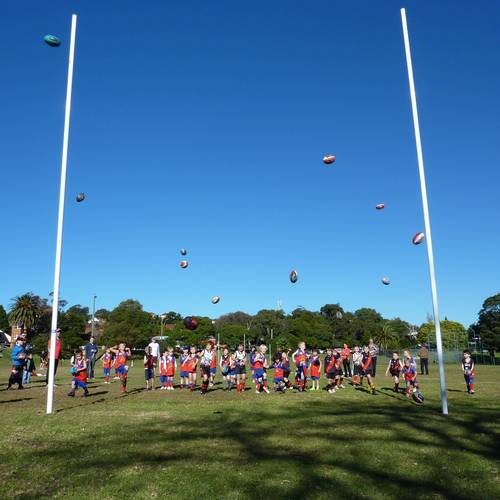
(233, 366)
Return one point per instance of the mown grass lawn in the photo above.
(316, 445)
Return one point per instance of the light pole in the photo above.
(93, 314)
(162, 317)
(60, 219)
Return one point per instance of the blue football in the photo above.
(52, 40)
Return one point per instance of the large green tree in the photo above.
(129, 323)
(487, 327)
(453, 334)
(25, 311)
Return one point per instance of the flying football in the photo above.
(418, 238)
(190, 322)
(52, 40)
(184, 251)
(184, 264)
(329, 159)
(386, 281)
(215, 299)
(380, 206)
(80, 197)
(294, 276)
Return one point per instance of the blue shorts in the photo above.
(260, 373)
(163, 379)
(469, 379)
(106, 371)
(149, 373)
(213, 371)
(79, 383)
(232, 373)
(314, 378)
(184, 374)
(121, 370)
(278, 380)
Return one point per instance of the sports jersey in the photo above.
(81, 374)
(410, 373)
(346, 353)
(329, 364)
(278, 370)
(315, 366)
(214, 362)
(191, 362)
(184, 362)
(258, 361)
(395, 365)
(338, 361)
(106, 361)
(357, 358)
(207, 358)
(366, 360)
(285, 362)
(468, 367)
(241, 357)
(121, 359)
(300, 357)
(150, 362)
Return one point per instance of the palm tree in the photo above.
(386, 336)
(25, 311)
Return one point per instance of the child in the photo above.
(107, 359)
(79, 372)
(149, 368)
(122, 354)
(367, 368)
(357, 360)
(339, 376)
(468, 369)
(225, 365)
(192, 363)
(168, 365)
(207, 357)
(299, 357)
(18, 357)
(213, 370)
(330, 371)
(29, 369)
(251, 359)
(241, 372)
(285, 362)
(260, 363)
(394, 368)
(278, 380)
(315, 370)
(232, 372)
(410, 374)
(346, 360)
(163, 370)
(184, 362)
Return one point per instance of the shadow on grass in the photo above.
(343, 451)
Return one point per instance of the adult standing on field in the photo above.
(373, 349)
(57, 355)
(424, 359)
(91, 354)
(154, 349)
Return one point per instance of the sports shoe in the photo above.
(266, 390)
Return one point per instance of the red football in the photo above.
(329, 159)
(418, 238)
(184, 264)
(190, 322)
(380, 206)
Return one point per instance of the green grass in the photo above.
(316, 445)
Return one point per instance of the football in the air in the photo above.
(190, 322)
(386, 281)
(184, 264)
(215, 299)
(380, 206)
(184, 251)
(52, 40)
(329, 159)
(294, 276)
(418, 238)
(80, 197)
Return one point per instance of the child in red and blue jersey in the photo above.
(315, 365)
(285, 362)
(278, 380)
(192, 364)
(122, 354)
(240, 357)
(410, 374)
(225, 368)
(163, 370)
(184, 364)
(468, 369)
(107, 359)
(213, 369)
(167, 369)
(251, 359)
(79, 372)
(260, 363)
(299, 357)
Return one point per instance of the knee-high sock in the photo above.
(355, 379)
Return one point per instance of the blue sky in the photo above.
(203, 124)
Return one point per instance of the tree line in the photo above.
(331, 325)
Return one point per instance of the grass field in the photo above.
(317, 445)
